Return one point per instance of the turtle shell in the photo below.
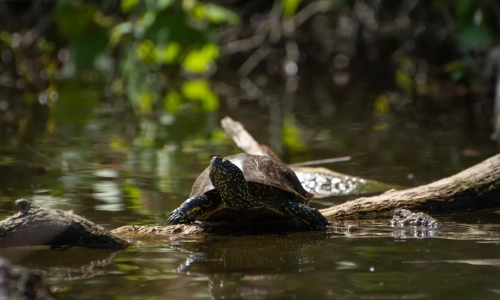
(263, 170)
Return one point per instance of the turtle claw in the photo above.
(175, 217)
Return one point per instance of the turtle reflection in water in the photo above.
(245, 187)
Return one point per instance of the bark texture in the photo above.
(474, 189)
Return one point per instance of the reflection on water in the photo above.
(375, 262)
(100, 166)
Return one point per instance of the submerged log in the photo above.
(35, 225)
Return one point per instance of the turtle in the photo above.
(246, 187)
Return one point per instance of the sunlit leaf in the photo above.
(198, 60)
(215, 14)
(210, 102)
(146, 103)
(169, 53)
(172, 102)
(198, 90)
(128, 5)
(118, 31)
(194, 89)
(381, 105)
(146, 51)
(290, 7)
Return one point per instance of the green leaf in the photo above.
(290, 7)
(216, 14)
(172, 102)
(197, 61)
(146, 101)
(128, 5)
(198, 90)
(381, 106)
(169, 53)
(146, 51)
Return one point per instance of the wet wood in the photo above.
(35, 225)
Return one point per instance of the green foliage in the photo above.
(198, 60)
(128, 5)
(290, 7)
(198, 90)
(155, 43)
(215, 14)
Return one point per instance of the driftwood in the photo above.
(475, 189)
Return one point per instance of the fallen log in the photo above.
(475, 189)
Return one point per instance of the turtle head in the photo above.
(229, 180)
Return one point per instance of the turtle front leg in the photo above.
(309, 216)
(192, 208)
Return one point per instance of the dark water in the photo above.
(90, 166)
